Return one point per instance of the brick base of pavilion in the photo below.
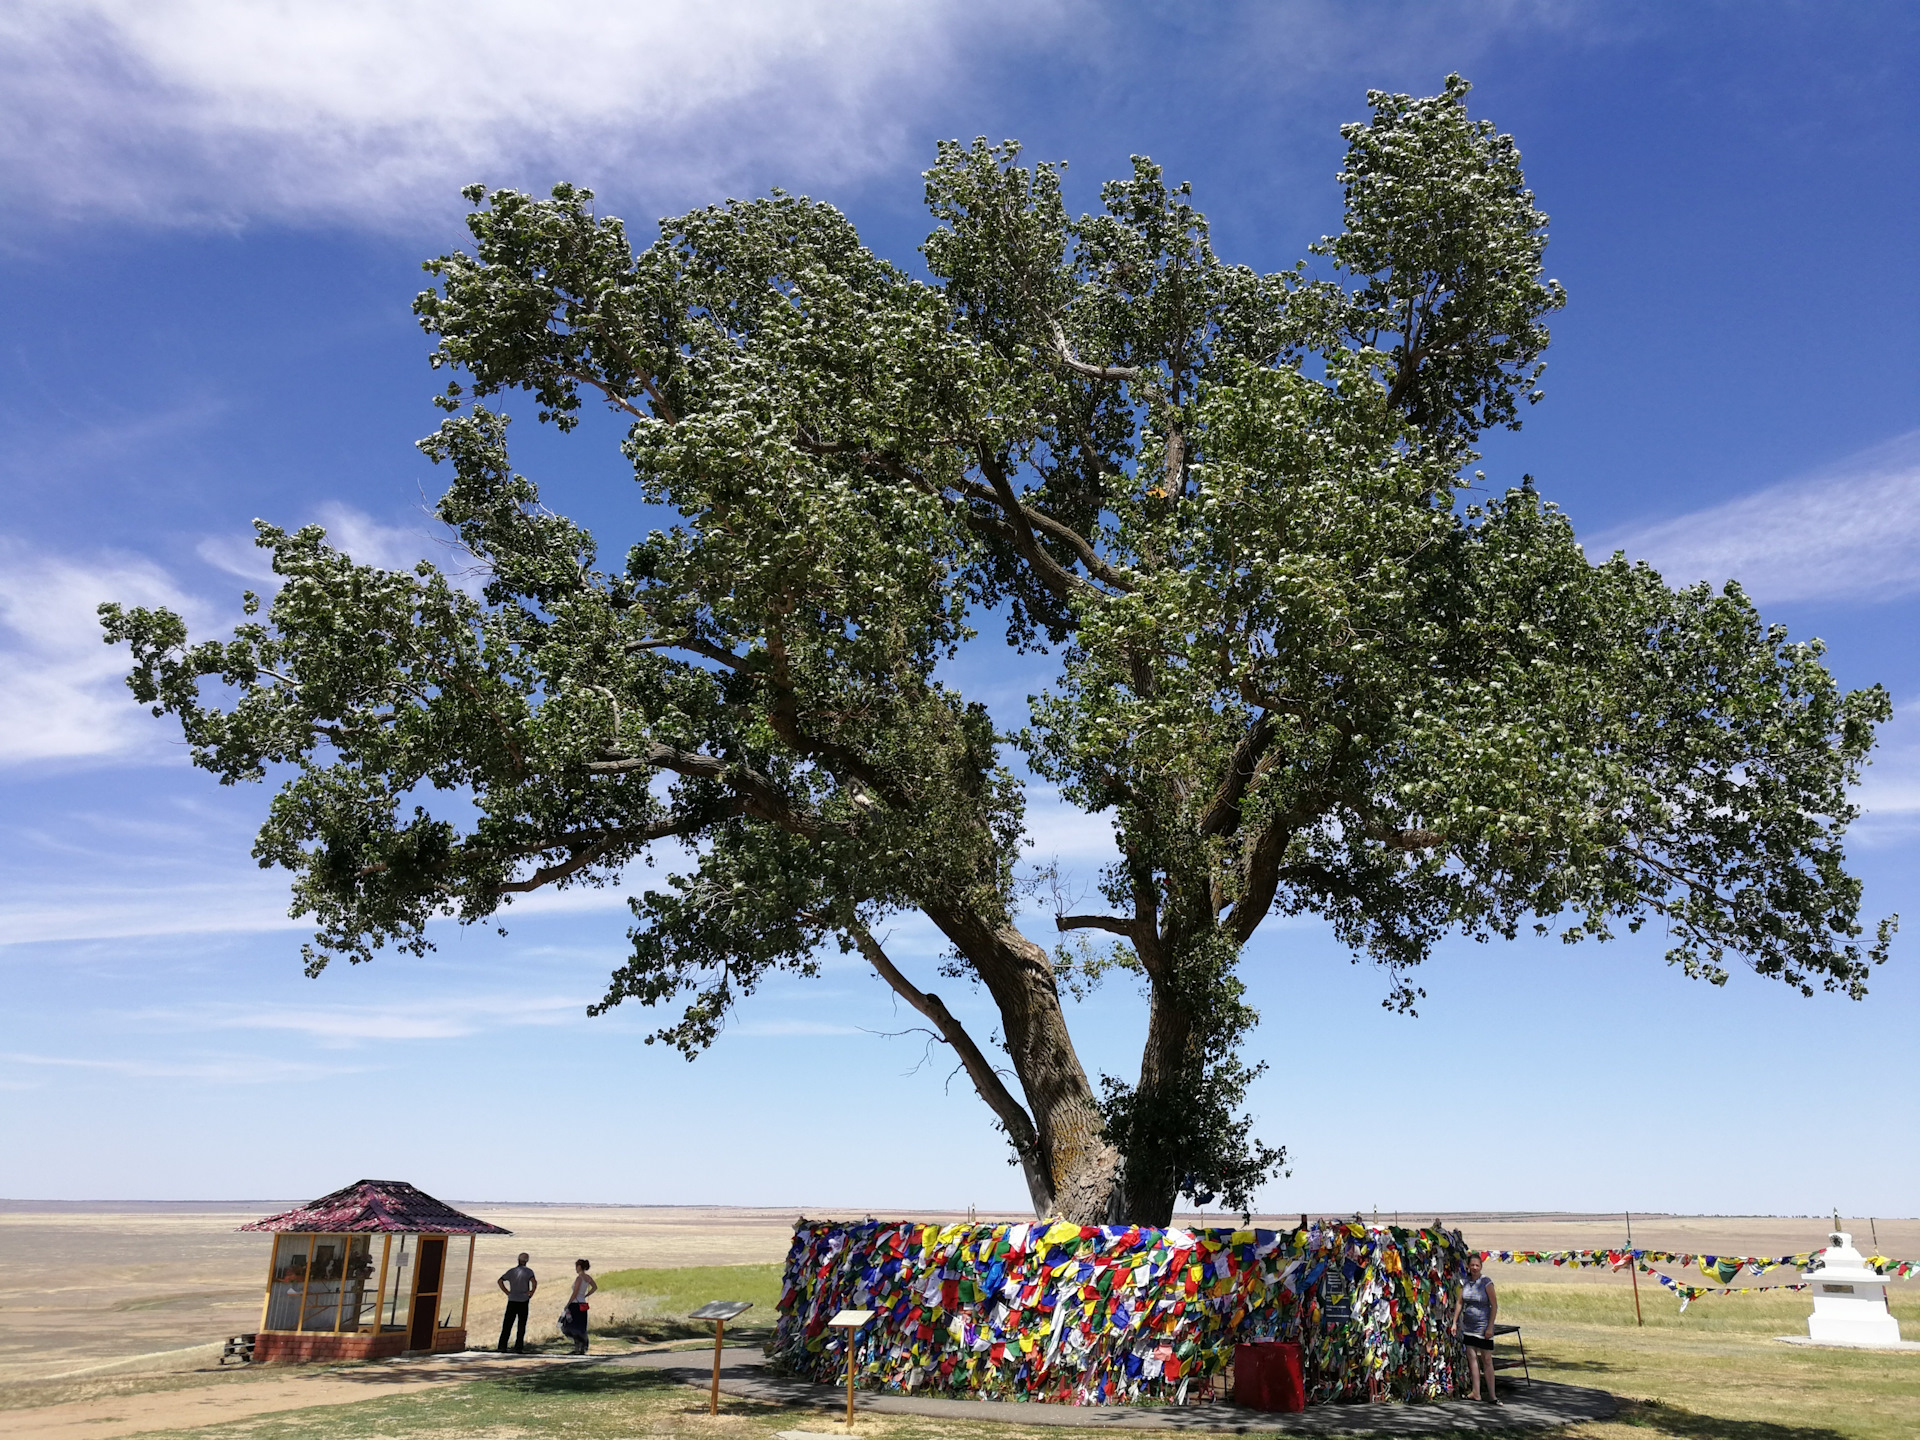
(271, 1347)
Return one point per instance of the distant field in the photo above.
(87, 1298)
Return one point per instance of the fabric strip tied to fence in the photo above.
(1113, 1314)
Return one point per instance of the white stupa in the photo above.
(1849, 1299)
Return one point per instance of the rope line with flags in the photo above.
(1723, 1268)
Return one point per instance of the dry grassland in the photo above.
(106, 1315)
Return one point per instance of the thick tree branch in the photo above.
(1260, 877)
(1146, 927)
(587, 850)
(1222, 815)
(661, 410)
(1019, 1125)
(764, 800)
(1080, 367)
(692, 644)
(1111, 923)
(1065, 534)
(1061, 581)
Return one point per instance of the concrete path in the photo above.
(743, 1372)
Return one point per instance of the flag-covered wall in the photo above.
(1088, 1315)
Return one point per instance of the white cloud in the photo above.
(775, 1029)
(353, 532)
(218, 110)
(1849, 532)
(114, 911)
(64, 698)
(1059, 830)
(1890, 790)
(224, 1070)
(344, 1026)
(250, 902)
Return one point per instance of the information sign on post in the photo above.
(719, 1311)
(850, 1321)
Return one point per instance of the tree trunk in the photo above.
(1149, 1181)
(1078, 1170)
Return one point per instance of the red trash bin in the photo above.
(1266, 1376)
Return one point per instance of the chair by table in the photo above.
(1509, 1360)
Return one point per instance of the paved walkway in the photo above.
(743, 1372)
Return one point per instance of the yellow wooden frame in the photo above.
(405, 1326)
(273, 1266)
(403, 1313)
(380, 1290)
(339, 1295)
(306, 1279)
(340, 1311)
(414, 1300)
(466, 1288)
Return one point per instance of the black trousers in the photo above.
(516, 1310)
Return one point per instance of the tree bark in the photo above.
(1079, 1168)
(1149, 1185)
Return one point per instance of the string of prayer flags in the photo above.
(1082, 1314)
(1690, 1293)
(1719, 1267)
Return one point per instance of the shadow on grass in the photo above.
(585, 1380)
(1548, 1366)
(1664, 1419)
(652, 1329)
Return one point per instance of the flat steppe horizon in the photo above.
(95, 1288)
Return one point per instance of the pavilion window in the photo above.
(326, 1275)
(286, 1292)
(362, 1310)
(453, 1282)
(396, 1305)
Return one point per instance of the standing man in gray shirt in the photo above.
(518, 1285)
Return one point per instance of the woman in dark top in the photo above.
(1473, 1317)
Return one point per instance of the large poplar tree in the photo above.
(1295, 655)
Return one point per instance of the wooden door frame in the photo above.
(439, 1279)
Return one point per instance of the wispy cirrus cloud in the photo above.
(224, 1069)
(351, 531)
(64, 698)
(443, 1017)
(1889, 792)
(1848, 532)
(357, 110)
(790, 1029)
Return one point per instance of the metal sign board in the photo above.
(721, 1310)
(849, 1319)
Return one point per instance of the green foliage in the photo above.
(1293, 668)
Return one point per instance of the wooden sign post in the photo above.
(719, 1311)
(850, 1321)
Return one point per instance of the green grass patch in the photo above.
(654, 1304)
(1713, 1373)
(1610, 1303)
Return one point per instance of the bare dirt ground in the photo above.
(104, 1288)
(111, 1315)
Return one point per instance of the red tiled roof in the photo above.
(379, 1206)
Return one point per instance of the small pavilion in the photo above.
(377, 1268)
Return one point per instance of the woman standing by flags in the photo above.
(1473, 1317)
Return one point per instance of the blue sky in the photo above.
(214, 215)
